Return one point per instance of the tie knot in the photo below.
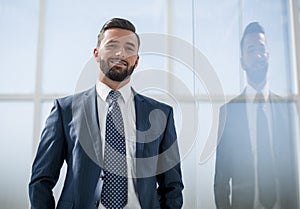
(259, 97)
(114, 95)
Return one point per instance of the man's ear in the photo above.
(268, 55)
(136, 61)
(96, 54)
(242, 63)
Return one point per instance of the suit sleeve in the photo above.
(222, 167)
(48, 162)
(170, 184)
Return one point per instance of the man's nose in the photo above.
(260, 55)
(120, 52)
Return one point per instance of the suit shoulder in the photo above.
(152, 102)
(235, 100)
(67, 101)
(276, 98)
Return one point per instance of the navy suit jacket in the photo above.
(235, 162)
(72, 134)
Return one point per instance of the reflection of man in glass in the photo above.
(255, 161)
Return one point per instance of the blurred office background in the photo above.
(46, 52)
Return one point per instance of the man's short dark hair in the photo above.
(117, 23)
(253, 27)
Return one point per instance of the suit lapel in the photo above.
(239, 112)
(140, 124)
(281, 126)
(238, 124)
(85, 117)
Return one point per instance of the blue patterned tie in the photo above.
(114, 191)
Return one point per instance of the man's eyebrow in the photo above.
(131, 44)
(112, 42)
(258, 45)
(250, 46)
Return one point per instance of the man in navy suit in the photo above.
(256, 166)
(75, 133)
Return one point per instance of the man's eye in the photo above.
(262, 50)
(251, 51)
(111, 46)
(129, 49)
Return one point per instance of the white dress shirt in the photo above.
(252, 115)
(126, 103)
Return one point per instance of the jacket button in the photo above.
(97, 203)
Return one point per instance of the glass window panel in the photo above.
(180, 49)
(183, 80)
(71, 29)
(198, 175)
(151, 76)
(152, 65)
(217, 38)
(18, 22)
(205, 168)
(16, 154)
(181, 19)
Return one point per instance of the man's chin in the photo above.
(117, 77)
(258, 79)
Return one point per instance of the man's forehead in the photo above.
(254, 37)
(120, 35)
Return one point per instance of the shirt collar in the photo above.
(103, 91)
(251, 92)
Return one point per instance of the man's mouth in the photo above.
(260, 66)
(118, 62)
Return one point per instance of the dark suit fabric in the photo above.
(235, 161)
(72, 135)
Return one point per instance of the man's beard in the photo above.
(115, 73)
(257, 76)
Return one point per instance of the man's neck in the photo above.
(113, 84)
(257, 86)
